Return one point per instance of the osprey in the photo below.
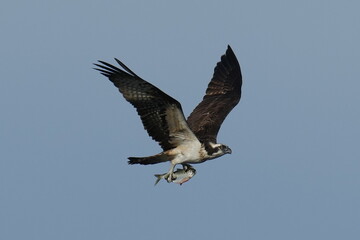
(183, 141)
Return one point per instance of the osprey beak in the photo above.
(228, 150)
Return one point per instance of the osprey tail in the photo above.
(158, 158)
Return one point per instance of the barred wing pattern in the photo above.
(161, 115)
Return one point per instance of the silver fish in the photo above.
(179, 176)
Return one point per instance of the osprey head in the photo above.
(225, 149)
(217, 150)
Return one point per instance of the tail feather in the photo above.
(158, 158)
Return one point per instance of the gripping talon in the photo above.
(170, 177)
(186, 166)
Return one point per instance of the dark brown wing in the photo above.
(161, 115)
(222, 95)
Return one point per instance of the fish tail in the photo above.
(158, 178)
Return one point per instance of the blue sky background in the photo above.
(66, 132)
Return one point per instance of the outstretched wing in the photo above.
(161, 115)
(222, 95)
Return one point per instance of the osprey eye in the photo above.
(183, 141)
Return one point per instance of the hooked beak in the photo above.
(228, 150)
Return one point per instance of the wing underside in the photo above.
(161, 115)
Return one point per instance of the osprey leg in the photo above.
(169, 175)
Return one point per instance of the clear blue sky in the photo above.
(66, 132)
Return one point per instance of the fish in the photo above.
(180, 176)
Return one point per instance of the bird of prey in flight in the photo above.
(184, 141)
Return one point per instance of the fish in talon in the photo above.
(180, 176)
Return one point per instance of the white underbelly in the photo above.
(188, 153)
